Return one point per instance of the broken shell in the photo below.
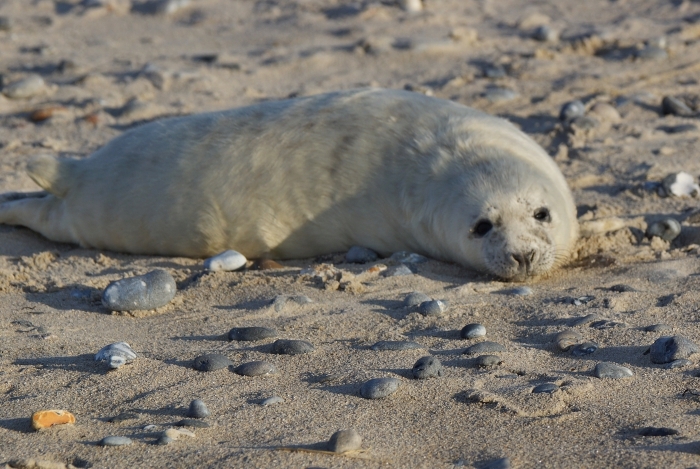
(116, 354)
(48, 418)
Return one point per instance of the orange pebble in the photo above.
(46, 112)
(48, 418)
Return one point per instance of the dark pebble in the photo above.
(360, 255)
(257, 368)
(545, 33)
(144, 292)
(612, 371)
(667, 229)
(668, 349)
(427, 367)
(291, 347)
(378, 388)
(584, 349)
(472, 331)
(432, 308)
(622, 288)
(493, 70)
(415, 298)
(487, 361)
(211, 362)
(198, 409)
(571, 110)
(676, 107)
(546, 388)
(657, 431)
(485, 347)
(384, 345)
(192, 423)
(250, 334)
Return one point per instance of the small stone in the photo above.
(432, 308)
(378, 388)
(605, 112)
(472, 331)
(520, 291)
(116, 354)
(169, 7)
(48, 418)
(667, 229)
(251, 334)
(278, 303)
(272, 400)
(395, 345)
(164, 440)
(651, 52)
(427, 367)
(143, 292)
(582, 321)
(676, 107)
(667, 349)
(680, 363)
(343, 441)
(192, 423)
(115, 441)
(47, 112)
(622, 288)
(493, 70)
(415, 298)
(227, 261)
(571, 110)
(484, 347)
(567, 339)
(546, 388)
(679, 184)
(612, 371)
(487, 361)
(412, 6)
(497, 95)
(256, 368)
(397, 271)
(291, 347)
(657, 328)
(25, 88)
(584, 349)
(360, 255)
(211, 362)
(657, 431)
(545, 33)
(406, 257)
(198, 409)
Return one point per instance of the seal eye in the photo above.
(542, 214)
(482, 227)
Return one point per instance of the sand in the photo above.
(112, 66)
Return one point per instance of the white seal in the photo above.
(387, 170)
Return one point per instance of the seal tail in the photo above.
(51, 174)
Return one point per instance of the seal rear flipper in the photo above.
(51, 174)
(38, 211)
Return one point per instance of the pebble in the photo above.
(280, 301)
(26, 88)
(622, 288)
(667, 229)
(520, 291)
(651, 52)
(115, 441)
(497, 95)
(143, 292)
(378, 388)
(397, 271)
(667, 349)
(227, 261)
(412, 6)
(272, 400)
(582, 321)
(252, 334)
(415, 298)
(395, 345)
(571, 110)
(612, 371)
(676, 107)
(680, 363)
(291, 347)
(657, 431)
(546, 388)
(406, 257)
(343, 441)
(211, 362)
(485, 347)
(657, 328)
(168, 7)
(493, 70)
(360, 255)
(198, 409)
(545, 33)
(586, 348)
(487, 361)
(679, 184)
(427, 367)
(567, 339)
(192, 423)
(48, 418)
(605, 112)
(256, 368)
(432, 308)
(116, 354)
(164, 440)
(472, 331)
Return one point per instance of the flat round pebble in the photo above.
(667, 229)
(485, 347)
(546, 388)
(567, 339)
(251, 334)
(198, 409)
(25, 88)
(115, 441)
(291, 347)
(657, 328)
(667, 349)
(427, 367)
(395, 345)
(571, 110)
(432, 308)
(149, 291)
(272, 400)
(472, 331)
(378, 388)
(415, 298)
(343, 441)
(487, 361)
(584, 349)
(612, 371)
(360, 255)
(227, 261)
(256, 368)
(192, 423)
(211, 362)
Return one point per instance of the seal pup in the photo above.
(385, 169)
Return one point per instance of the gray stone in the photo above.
(279, 302)
(251, 334)
(487, 361)
(26, 88)
(545, 33)
(567, 339)
(150, 291)
(198, 409)
(622, 288)
(272, 400)
(667, 349)
(415, 298)
(676, 107)
(360, 255)
(211, 362)
(586, 348)
(395, 345)
(192, 423)
(571, 110)
(397, 271)
(612, 371)
(227, 261)
(427, 367)
(485, 347)
(291, 347)
(115, 441)
(256, 368)
(520, 291)
(472, 331)
(546, 388)
(493, 70)
(343, 441)
(667, 229)
(432, 308)
(378, 388)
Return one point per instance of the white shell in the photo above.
(226, 261)
(116, 354)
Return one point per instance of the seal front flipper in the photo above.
(51, 174)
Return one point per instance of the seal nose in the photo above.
(524, 261)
